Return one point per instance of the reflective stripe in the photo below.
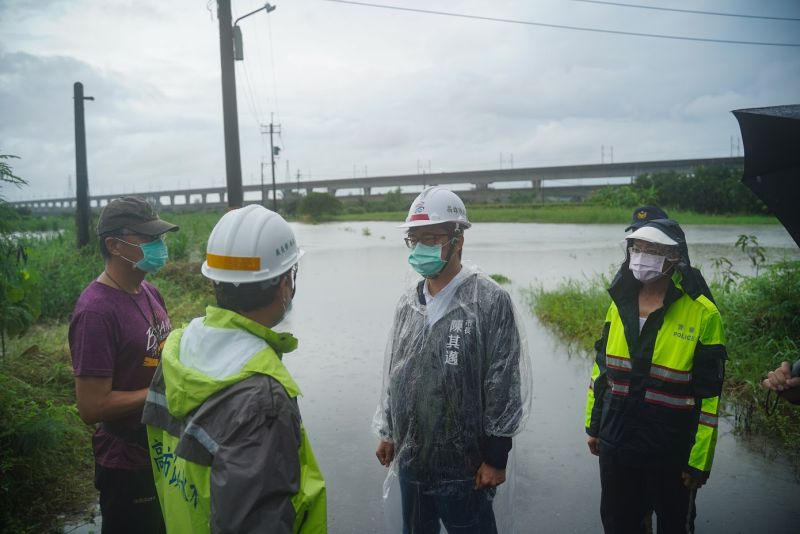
(616, 362)
(156, 398)
(670, 401)
(202, 437)
(708, 419)
(419, 217)
(619, 388)
(670, 375)
(233, 263)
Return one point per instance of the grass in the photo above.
(563, 213)
(575, 310)
(500, 278)
(762, 323)
(46, 463)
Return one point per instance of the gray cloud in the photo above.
(366, 87)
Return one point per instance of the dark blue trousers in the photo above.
(462, 509)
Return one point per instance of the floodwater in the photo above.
(347, 287)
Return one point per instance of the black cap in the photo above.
(645, 213)
(133, 213)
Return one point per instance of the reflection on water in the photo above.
(348, 285)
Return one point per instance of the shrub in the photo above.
(45, 456)
(707, 190)
(318, 206)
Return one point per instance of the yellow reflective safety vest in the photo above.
(229, 452)
(654, 395)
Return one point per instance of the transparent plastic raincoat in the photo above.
(455, 391)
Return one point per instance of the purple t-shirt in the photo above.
(117, 335)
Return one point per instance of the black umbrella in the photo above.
(771, 138)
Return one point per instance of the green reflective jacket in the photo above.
(654, 394)
(228, 448)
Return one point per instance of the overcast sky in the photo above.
(377, 91)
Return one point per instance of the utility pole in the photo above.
(81, 173)
(233, 163)
(273, 151)
(603, 154)
(263, 196)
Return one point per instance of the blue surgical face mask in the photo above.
(155, 255)
(426, 260)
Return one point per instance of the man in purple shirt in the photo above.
(115, 336)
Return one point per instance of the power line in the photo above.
(562, 26)
(255, 110)
(694, 12)
(272, 65)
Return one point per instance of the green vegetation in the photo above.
(19, 297)
(46, 465)
(762, 323)
(562, 213)
(500, 278)
(575, 310)
(318, 207)
(706, 190)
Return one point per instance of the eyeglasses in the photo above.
(294, 278)
(426, 239)
(654, 250)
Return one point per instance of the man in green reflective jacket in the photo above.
(229, 452)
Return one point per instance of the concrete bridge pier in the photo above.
(538, 194)
(481, 187)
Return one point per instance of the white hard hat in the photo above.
(250, 244)
(436, 205)
(652, 235)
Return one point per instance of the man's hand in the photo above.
(385, 453)
(693, 482)
(489, 477)
(781, 378)
(781, 381)
(594, 445)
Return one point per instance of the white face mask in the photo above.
(646, 267)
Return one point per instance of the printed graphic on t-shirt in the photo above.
(156, 337)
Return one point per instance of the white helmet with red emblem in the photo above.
(436, 205)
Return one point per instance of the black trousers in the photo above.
(630, 493)
(128, 501)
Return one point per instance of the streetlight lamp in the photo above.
(238, 49)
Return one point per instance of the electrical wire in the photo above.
(691, 11)
(275, 84)
(256, 111)
(272, 65)
(563, 26)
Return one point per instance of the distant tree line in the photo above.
(320, 206)
(715, 190)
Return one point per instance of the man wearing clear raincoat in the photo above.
(456, 380)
